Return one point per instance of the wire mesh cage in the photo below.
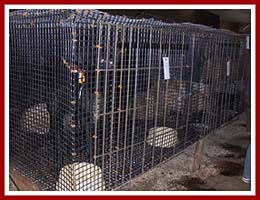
(96, 100)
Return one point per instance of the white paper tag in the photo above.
(247, 42)
(166, 68)
(228, 67)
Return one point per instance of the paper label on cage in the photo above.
(228, 68)
(247, 42)
(166, 68)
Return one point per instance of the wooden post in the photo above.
(198, 155)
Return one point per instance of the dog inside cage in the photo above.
(91, 106)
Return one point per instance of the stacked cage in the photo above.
(92, 104)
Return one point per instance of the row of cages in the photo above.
(96, 100)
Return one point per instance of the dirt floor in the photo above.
(221, 168)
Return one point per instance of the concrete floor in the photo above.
(221, 169)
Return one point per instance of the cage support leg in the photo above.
(198, 155)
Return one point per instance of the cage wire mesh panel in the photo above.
(96, 100)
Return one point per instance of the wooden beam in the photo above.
(22, 183)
